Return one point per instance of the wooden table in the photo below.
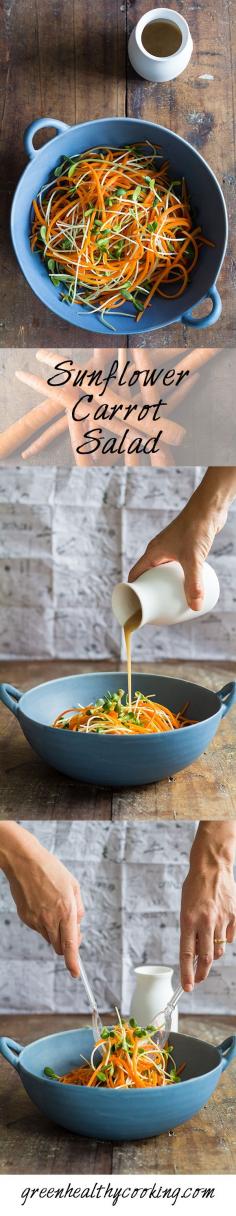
(74, 66)
(31, 790)
(29, 1144)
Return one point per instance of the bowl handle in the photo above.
(227, 1051)
(227, 697)
(10, 696)
(211, 318)
(11, 1051)
(37, 126)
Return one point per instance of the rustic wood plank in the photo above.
(30, 1144)
(209, 786)
(32, 789)
(49, 795)
(200, 106)
(88, 53)
(28, 786)
(77, 75)
(207, 789)
(207, 1143)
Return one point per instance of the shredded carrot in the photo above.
(112, 228)
(126, 1056)
(111, 715)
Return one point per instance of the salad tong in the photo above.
(164, 1025)
(164, 1017)
(96, 1020)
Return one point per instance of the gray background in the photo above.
(66, 539)
(131, 878)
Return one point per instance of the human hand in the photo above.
(188, 540)
(208, 907)
(46, 894)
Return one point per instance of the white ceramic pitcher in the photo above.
(153, 989)
(155, 67)
(160, 596)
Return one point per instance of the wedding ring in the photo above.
(220, 941)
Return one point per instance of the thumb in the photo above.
(154, 555)
(193, 582)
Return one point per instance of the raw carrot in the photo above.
(48, 436)
(129, 1058)
(113, 230)
(19, 431)
(113, 716)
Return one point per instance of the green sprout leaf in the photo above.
(136, 193)
(72, 168)
(151, 182)
(48, 1072)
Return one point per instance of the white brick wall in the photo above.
(67, 536)
(132, 899)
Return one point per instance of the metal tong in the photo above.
(164, 1026)
(96, 1020)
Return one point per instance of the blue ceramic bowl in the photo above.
(103, 759)
(121, 1115)
(207, 203)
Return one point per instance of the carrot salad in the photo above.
(111, 715)
(129, 1059)
(113, 228)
